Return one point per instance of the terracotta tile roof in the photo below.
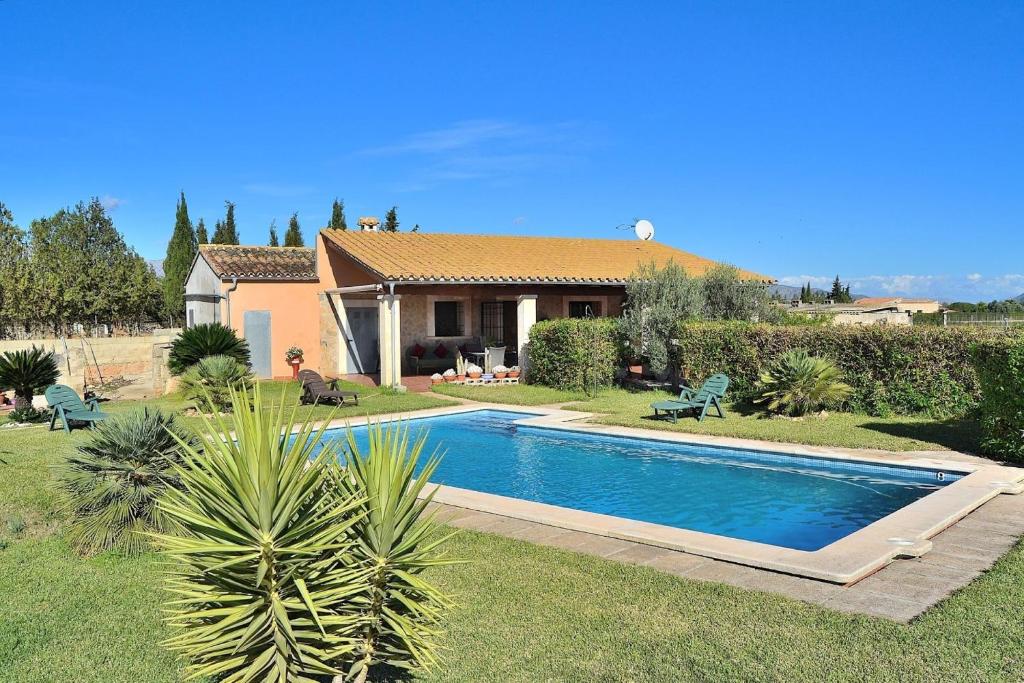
(434, 257)
(260, 263)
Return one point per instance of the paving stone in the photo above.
(959, 560)
(918, 589)
(505, 526)
(726, 572)
(908, 569)
(602, 546)
(478, 521)
(1008, 525)
(677, 563)
(536, 533)
(876, 605)
(638, 553)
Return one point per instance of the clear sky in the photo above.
(883, 141)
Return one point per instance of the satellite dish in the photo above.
(644, 229)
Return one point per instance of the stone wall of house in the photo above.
(119, 367)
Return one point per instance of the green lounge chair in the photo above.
(710, 394)
(66, 405)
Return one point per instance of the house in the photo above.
(901, 304)
(370, 297)
(855, 313)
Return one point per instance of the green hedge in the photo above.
(1000, 367)
(573, 354)
(892, 369)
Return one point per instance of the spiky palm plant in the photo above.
(27, 371)
(209, 382)
(396, 540)
(202, 341)
(799, 383)
(264, 587)
(114, 480)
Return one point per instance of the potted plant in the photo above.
(448, 376)
(436, 378)
(474, 371)
(460, 368)
(513, 371)
(500, 371)
(293, 356)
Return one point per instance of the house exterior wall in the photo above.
(294, 312)
(202, 281)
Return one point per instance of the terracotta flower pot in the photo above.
(513, 374)
(500, 375)
(474, 375)
(636, 370)
(448, 378)
(461, 378)
(437, 381)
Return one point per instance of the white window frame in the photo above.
(603, 300)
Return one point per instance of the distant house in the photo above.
(364, 300)
(901, 304)
(855, 313)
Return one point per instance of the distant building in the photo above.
(901, 304)
(855, 313)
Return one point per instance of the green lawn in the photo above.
(525, 613)
(848, 430)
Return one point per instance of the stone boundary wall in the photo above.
(130, 367)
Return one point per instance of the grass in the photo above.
(525, 612)
(845, 430)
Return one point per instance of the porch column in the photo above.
(390, 318)
(526, 316)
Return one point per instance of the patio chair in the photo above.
(316, 390)
(71, 410)
(493, 355)
(709, 395)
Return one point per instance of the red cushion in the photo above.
(418, 351)
(441, 351)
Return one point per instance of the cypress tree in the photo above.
(181, 250)
(293, 237)
(391, 220)
(201, 236)
(338, 215)
(230, 231)
(218, 232)
(273, 234)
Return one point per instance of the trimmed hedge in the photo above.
(903, 369)
(573, 354)
(1000, 368)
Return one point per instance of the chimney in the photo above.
(369, 223)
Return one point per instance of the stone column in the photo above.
(390, 318)
(526, 316)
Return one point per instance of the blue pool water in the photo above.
(790, 501)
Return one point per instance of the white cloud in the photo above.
(110, 203)
(969, 287)
(518, 220)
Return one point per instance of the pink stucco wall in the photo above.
(294, 318)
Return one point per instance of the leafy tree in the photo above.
(391, 220)
(839, 293)
(338, 216)
(656, 300)
(14, 275)
(181, 251)
(218, 233)
(729, 297)
(293, 236)
(201, 236)
(273, 235)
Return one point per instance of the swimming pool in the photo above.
(800, 503)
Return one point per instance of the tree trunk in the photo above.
(22, 402)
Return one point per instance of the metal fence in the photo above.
(983, 319)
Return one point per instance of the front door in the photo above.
(362, 337)
(256, 328)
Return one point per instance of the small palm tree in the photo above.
(209, 382)
(202, 341)
(27, 372)
(114, 480)
(799, 383)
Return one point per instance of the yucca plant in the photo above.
(799, 383)
(113, 481)
(209, 382)
(264, 585)
(396, 539)
(27, 372)
(203, 341)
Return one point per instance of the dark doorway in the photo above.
(499, 324)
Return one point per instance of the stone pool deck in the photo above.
(899, 591)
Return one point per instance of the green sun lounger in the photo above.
(70, 409)
(709, 396)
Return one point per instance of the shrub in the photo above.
(270, 579)
(798, 383)
(203, 341)
(27, 372)
(114, 480)
(209, 382)
(395, 541)
(892, 369)
(1000, 367)
(573, 354)
(28, 415)
(15, 524)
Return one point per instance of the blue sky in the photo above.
(880, 140)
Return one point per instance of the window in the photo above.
(448, 319)
(584, 309)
